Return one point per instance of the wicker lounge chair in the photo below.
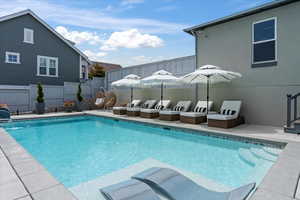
(174, 114)
(129, 190)
(199, 114)
(135, 111)
(229, 115)
(154, 113)
(176, 186)
(110, 101)
(122, 110)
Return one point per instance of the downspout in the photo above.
(196, 66)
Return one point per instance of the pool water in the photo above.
(79, 149)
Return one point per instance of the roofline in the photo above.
(251, 11)
(155, 62)
(30, 12)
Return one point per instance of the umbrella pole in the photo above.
(131, 96)
(207, 92)
(161, 93)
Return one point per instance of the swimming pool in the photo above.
(79, 149)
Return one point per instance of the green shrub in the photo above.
(40, 94)
(79, 96)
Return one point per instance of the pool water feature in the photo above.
(79, 149)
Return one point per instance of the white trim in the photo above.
(7, 53)
(264, 41)
(47, 66)
(31, 32)
(28, 11)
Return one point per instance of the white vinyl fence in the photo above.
(23, 98)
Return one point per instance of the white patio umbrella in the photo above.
(209, 74)
(130, 81)
(161, 78)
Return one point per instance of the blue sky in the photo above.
(129, 32)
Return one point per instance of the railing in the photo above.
(292, 109)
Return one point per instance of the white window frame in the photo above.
(31, 32)
(263, 41)
(7, 53)
(47, 66)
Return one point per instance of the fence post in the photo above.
(288, 121)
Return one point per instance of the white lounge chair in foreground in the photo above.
(121, 110)
(153, 113)
(174, 114)
(135, 111)
(176, 186)
(199, 114)
(228, 117)
(129, 190)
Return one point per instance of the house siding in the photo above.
(45, 44)
(263, 89)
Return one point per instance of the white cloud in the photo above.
(79, 37)
(131, 39)
(88, 18)
(96, 56)
(128, 2)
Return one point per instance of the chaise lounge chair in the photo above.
(176, 186)
(122, 110)
(135, 111)
(174, 114)
(199, 114)
(229, 115)
(153, 113)
(129, 190)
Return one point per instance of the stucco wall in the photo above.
(45, 44)
(263, 90)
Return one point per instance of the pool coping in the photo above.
(280, 183)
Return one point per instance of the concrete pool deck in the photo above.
(21, 170)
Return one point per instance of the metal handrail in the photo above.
(292, 115)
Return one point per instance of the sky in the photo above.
(129, 32)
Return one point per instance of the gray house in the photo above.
(263, 44)
(32, 52)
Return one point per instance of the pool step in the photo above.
(262, 154)
(272, 151)
(247, 156)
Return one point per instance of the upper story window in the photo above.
(83, 72)
(47, 66)
(264, 39)
(28, 36)
(12, 57)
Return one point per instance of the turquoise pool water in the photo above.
(78, 149)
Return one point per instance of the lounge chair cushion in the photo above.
(221, 117)
(161, 105)
(99, 101)
(134, 109)
(169, 112)
(149, 104)
(192, 114)
(202, 105)
(120, 108)
(178, 187)
(129, 190)
(231, 108)
(149, 110)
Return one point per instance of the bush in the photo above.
(96, 71)
(40, 94)
(79, 96)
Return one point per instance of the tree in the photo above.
(79, 96)
(40, 94)
(96, 71)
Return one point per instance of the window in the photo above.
(264, 39)
(28, 35)
(83, 72)
(47, 66)
(12, 57)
